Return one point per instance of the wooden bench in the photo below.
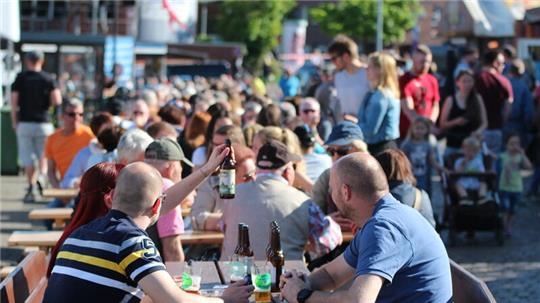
(468, 288)
(27, 282)
(45, 240)
(201, 237)
(60, 193)
(59, 215)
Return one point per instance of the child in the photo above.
(470, 162)
(421, 153)
(510, 182)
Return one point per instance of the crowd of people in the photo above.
(355, 152)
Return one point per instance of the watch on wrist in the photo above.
(303, 295)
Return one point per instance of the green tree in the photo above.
(257, 24)
(358, 19)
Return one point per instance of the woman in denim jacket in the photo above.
(378, 116)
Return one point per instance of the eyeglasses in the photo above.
(74, 114)
(138, 113)
(307, 111)
(340, 151)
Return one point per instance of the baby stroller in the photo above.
(476, 213)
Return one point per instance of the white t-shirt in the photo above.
(351, 89)
(316, 164)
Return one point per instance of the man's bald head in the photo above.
(363, 174)
(137, 188)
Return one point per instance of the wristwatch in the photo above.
(303, 295)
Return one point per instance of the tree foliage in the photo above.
(358, 19)
(257, 24)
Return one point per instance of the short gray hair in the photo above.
(133, 143)
(71, 103)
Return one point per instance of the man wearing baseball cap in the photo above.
(165, 155)
(270, 197)
(346, 138)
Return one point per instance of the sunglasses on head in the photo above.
(340, 151)
(73, 114)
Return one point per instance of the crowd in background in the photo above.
(379, 104)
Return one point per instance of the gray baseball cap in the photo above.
(166, 149)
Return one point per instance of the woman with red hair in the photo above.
(96, 191)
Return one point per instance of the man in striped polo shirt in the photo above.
(112, 259)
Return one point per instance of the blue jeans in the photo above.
(509, 201)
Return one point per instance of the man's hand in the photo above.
(351, 118)
(216, 158)
(292, 285)
(344, 223)
(237, 292)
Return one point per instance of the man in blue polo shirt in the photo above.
(396, 257)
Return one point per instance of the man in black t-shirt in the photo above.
(33, 93)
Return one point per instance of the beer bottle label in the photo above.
(263, 282)
(227, 180)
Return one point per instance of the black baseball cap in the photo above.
(275, 154)
(166, 149)
(344, 133)
(34, 56)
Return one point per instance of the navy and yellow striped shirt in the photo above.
(102, 262)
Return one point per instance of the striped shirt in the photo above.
(102, 262)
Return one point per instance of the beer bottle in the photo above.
(275, 255)
(245, 253)
(227, 176)
(240, 234)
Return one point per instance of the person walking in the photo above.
(34, 92)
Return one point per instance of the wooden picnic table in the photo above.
(60, 193)
(45, 240)
(60, 215)
(202, 237)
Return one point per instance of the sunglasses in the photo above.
(307, 111)
(74, 114)
(340, 151)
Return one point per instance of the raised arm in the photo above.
(178, 192)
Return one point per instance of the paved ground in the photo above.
(512, 271)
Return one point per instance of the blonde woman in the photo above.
(378, 116)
